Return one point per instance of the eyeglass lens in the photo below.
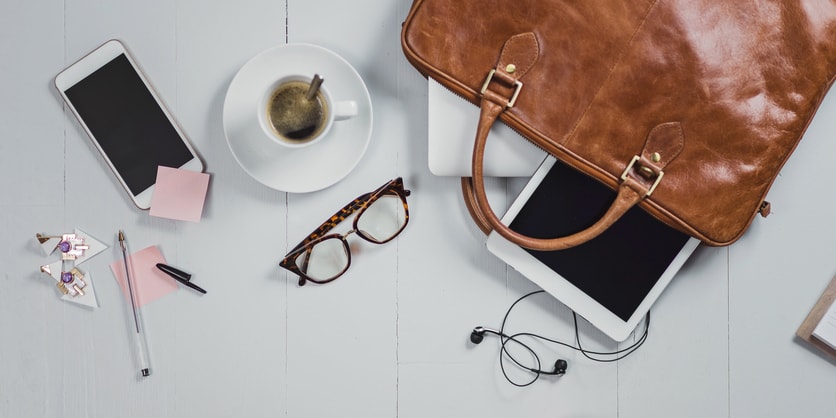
(380, 222)
(383, 219)
(325, 260)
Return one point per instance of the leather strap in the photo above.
(629, 193)
(639, 180)
(472, 208)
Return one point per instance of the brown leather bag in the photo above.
(688, 108)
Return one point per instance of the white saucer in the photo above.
(296, 170)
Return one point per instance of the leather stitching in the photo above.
(626, 48)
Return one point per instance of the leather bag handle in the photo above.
(639, 180)
(499, 92)
(628, 196)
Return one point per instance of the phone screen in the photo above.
(128, 123)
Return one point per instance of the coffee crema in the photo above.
(292, 116)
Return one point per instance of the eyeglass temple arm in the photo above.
(347, 211)
(335, 219)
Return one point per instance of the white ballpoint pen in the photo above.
(140, 343)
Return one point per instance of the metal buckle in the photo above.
(518, 86)
(655, 183)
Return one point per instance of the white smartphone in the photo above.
(126, 119)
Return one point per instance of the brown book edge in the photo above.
(805, 331)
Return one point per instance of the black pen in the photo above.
(180, 276)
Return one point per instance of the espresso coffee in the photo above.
(295, 117)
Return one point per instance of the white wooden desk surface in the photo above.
(390, 339)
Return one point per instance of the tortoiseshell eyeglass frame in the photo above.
(359, 205)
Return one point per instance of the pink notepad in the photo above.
(179, 194)
(149, 282)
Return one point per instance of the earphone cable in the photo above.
(505, 339)
(536, 370)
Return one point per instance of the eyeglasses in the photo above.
(381, 215)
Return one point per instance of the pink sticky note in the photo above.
(179, 194)
(149, 282)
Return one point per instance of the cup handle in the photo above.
(346, 109)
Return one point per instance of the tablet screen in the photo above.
(128, 123)
(618, 268)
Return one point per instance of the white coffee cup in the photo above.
(293, 121)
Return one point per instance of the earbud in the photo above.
(478, 334)
(560, 367)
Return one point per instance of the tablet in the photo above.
(125, 118)
(613, 279)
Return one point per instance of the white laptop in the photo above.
(452, 129)
(612, 280)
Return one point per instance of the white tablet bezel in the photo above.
(89, 64)
(562, 289)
